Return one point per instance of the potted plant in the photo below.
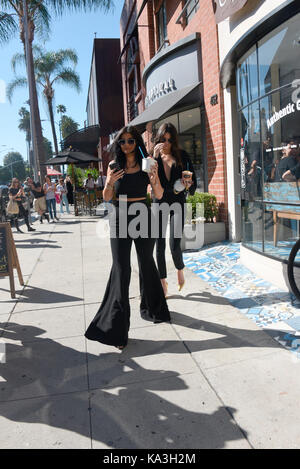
(201, 225)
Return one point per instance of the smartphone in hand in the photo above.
(114, 166)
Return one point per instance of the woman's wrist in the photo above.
(109, 186)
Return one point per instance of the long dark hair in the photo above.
(167, 127)
(116, 151)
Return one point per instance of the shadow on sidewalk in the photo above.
(36, 243)
(45, 381)
(32, 294)
(203, 297)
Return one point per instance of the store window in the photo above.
(247, 78)
(192, 6)
(162, 34)
(268, 86)
(189, 127)
(133, 76)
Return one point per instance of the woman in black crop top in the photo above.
(172, 161)
(111, 323)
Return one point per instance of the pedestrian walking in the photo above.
(17, 194)
(90, 186)
(50, 189)
(61, 189)
(69, 186)
(111, 323)
(177, 176)
(39, 202)
(29, 198)
(100, 183)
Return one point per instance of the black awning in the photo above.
(164, 105)
(85, 139)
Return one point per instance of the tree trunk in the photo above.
(37, 134)
(50, 107)
(38, 142)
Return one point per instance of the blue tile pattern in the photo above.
(277, 312)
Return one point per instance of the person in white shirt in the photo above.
(90, 183)
(61, 188)
(100, 183)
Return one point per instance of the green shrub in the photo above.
(210, 205)
(93, 171)
(78, 174)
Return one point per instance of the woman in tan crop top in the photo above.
(111, 323)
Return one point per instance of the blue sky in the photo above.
(73, 30)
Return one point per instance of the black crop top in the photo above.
(134, 185)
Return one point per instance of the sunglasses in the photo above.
(169, 140)
(130, 141)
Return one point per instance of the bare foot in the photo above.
(180, 278)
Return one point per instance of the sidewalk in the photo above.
(210, 379)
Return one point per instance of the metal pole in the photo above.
(32, 126)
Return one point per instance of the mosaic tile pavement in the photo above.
(277, 312)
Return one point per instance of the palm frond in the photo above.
(63, 55)
(17, 59)
(41, 17)
(68, 77)
(18, 82)
(60, 6)
(8, 26)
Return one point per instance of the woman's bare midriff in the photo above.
(133, 200)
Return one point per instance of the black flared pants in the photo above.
(176, 230)
(112, 321)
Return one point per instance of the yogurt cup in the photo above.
(147, 164)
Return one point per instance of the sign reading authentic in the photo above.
(225, 8)
(289, 109)
(9, 257)
(292, 107)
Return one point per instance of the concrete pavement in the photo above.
(210, 379)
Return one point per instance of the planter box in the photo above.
(199, 234)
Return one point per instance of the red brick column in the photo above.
(215, 125)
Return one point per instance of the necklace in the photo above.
(130, 167)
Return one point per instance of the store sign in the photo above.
(225, 8)
(291, 108)
(175, 69)
(160, 90)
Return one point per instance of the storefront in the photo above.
(268, 87)
(174, 92)
(261, 81)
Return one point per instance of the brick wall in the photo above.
(204, 22)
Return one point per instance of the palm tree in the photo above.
(68, 126)
(38, 19)
(7, 26)
(61, 110)
(50, 68)
(24, 126)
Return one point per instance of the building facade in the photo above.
(259, 46)
(170, 73)
(105, 99)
